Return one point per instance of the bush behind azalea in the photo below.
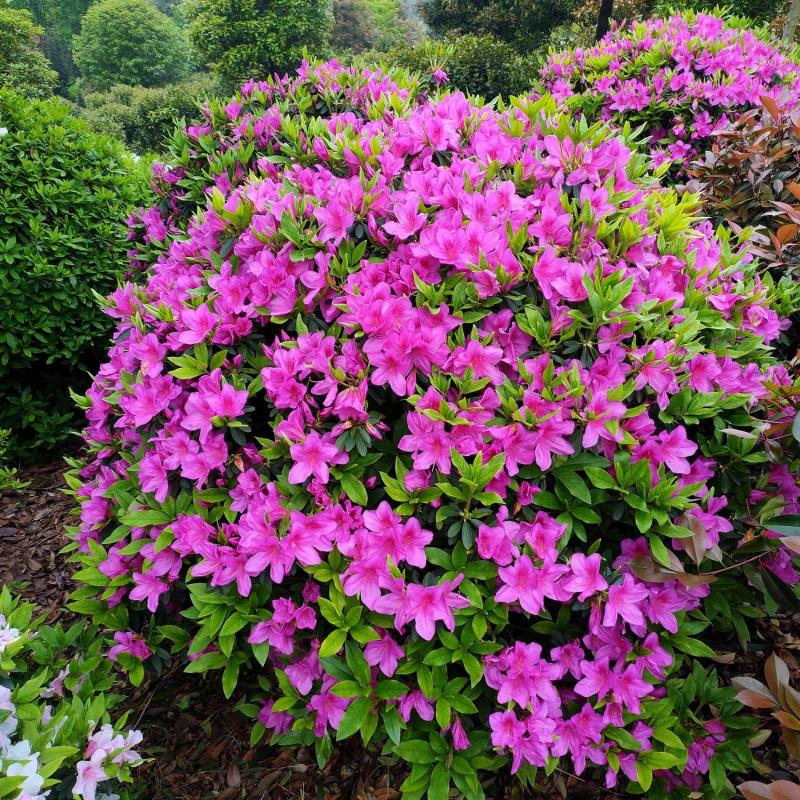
(450, 425)
(66, 193)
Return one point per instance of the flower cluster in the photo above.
(50, 707)
(436, 417)
(684, 78)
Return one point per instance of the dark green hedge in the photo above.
(64, 196)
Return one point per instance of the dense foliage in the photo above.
(681, 77)
(61, 20)
(250, 39)
(452, 423)
(130, 42)
(145, 119)
(23, 67)
(524, 23)
(354, 26)
(477, 65)
(64, 198)
(57, 739)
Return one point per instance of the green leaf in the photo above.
(668, 738)
(644, 775)
(230, 678)
(575, 484)
(355, 716)
(332, 643)
(442, 713)
(622, 737)
(347, 689)
(600, 478)
(354, 489)
(656, 760)
(786, 525)
(145, 518)
(415, 751)
(390, 689)
(439, 788)
(694, 647)
(358, 664)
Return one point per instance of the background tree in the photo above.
(129, 41)
(243, 39)
(354, 26)
(604, 18)
(523, 23)
(23, 66)
(61, 20)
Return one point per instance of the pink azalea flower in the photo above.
(624, 601)
(90, 773)
(312, 457)
(384, 653)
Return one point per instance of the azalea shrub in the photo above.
(57, 738)
(444, 427)
(682, 78)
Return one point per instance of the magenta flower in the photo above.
(312, 457)
(384, 653)
(624, 601)
(520, 585)
(148, 587)
(415, 701)
(130, 643)
(585, 578)
(90, 773)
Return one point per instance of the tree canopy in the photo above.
(131, 42)
(243, 39)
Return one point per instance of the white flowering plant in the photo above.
(57, 737)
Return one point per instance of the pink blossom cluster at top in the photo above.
(685, 77)
(467, 326)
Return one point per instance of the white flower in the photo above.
(7, 729)
(3, 131)
(5, 700)
(8, 635)
(24, 763)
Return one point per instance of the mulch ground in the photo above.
(198, 745)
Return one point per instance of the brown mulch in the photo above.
(32, 524)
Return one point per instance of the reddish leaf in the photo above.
(787, 720)
(648, 570)
(788, 232)
(785, 790)
(777, 674)
(791, 700)
(771, 106)
(753, 693)
(792, 741)
(754, 790)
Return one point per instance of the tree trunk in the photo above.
(791, 22)
(604, 17)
